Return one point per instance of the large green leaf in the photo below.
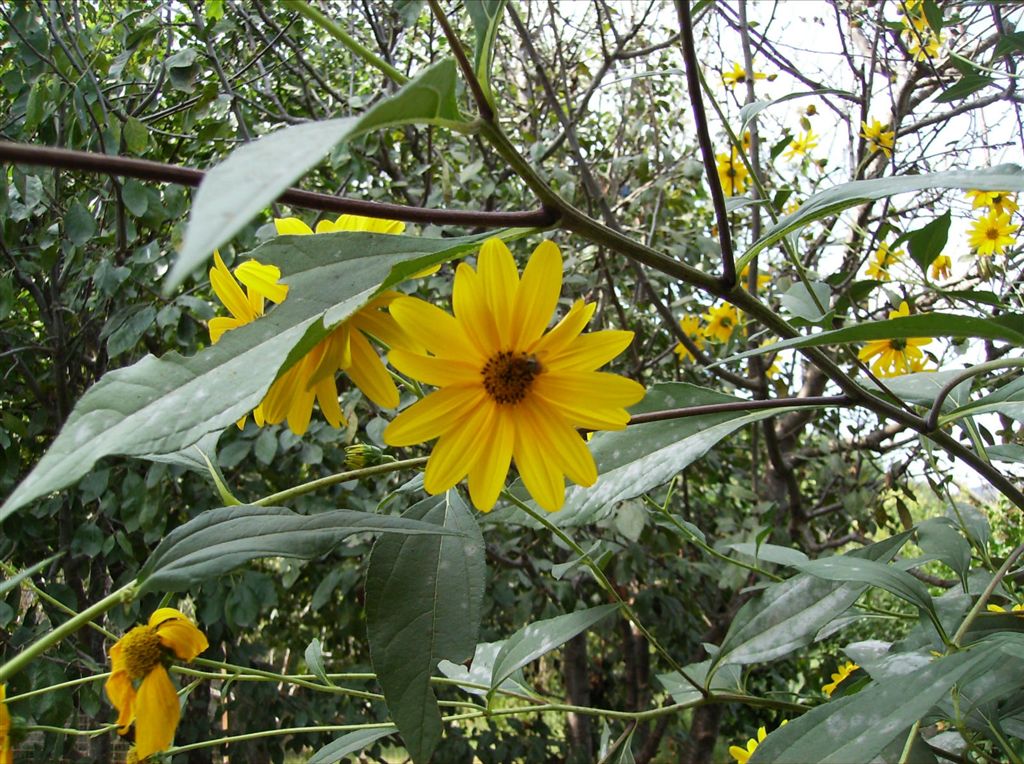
(939, 537)
(164, 405)
(858, 727)
(423, 602)
(633, 461)
(789, 614)
(486, 16)
(348, 743)
(255, 174)
(1006, 177)
(219, 540)
(1007, 400)
(541, 637)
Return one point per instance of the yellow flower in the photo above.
(1000, 201)
(992, 234)
(742, 755)
(1017, 608)
(732, 174)
(763, 279)
(738, 76)
(6, 751)
(895, 356)
(921, 40)
(139, 656)
(507, 389)
(722, 319)
(885, 258)
(837, 678)
(878, 137)
(798, 147)
(691, 327)
(941, 267)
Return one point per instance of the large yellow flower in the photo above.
(732, 174)
(722, 320)
(895, 356)
(6, 751)
(992, 234)
(691, 328)
(839, 677)
(139, 656)
(801, 145)
(507, 388)
(878, 138)
(1000, 201)
(347, 348)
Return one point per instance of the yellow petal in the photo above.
(300, 410)
(598, 389)
(369, 374)
(262, 279)
(740, 754)
(368, 224)
(228, 291)
(439, 372)
(121, 693)
(282, 392)
(160, 615)
(576, 408)
(433, 416)
(157, 713)
(327, 396)
(435, 330)
(382, 326)
(494, 455)
(326, 226)
(291, 227)
(541, 477)
(562, 443)
(550, 347)
(182, 637)
(591, 351)
(500, 278)
(221, 324)
(450, 460)
(469, 304)
(538, 293)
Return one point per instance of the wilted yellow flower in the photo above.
(801, 145)
(837, 678)
(721, 321)
(895, 356)
(507, 388)
(1000, 201)
(992, 234)
(139, 656)
(878, 137)
(691, 327)
(738, 76)
(884, 259)
(941, 267)
(732, 173)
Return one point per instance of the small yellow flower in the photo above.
(895, 356)
(6, 751)
(732, 173)
(508, 389)
(763, 279)
(942, 267)
(992, 234)
(921, 40)
(1000, 201)
(139, 656)
(801, 145)
(721, 321)
(691, 327)
(738, 76)
(837, 678)
(742, 755)
(878, 138)
(885, 258)
(1017, 608)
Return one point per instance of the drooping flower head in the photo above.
(801, 145)
(732, 173)
(691, 327)
(941, 267)
(140, 687)
(884, 259)
(742, 755)
(895, 356)
(721, 321)
(1000, 201)
(6, 749)
(839, 677)
(992, 234)
(508, 389)
(878, 138)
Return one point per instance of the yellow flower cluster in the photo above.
(878, 138)
(732, 173)
(922, 41)
(800, 146)
(994, 231)
(883, 260)
(894, 357)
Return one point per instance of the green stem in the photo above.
(61, 686)
(335, 30)
(66, 629)
(980, 604)
(341, 477)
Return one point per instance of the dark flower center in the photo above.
(142, 651)
(508, 375)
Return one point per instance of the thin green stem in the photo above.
(341, 477)
(980, 604)
(69, 730)
(66, 629)
(274, 733)
(61, 686)
(335, 30)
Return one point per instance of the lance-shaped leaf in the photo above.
(219, 540)
(255, 174)
(1006, 177)
(486, 16)
(164, 405)
(350, 742)
(423, 602)
(1007, 400)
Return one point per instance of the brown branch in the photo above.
(144, 169)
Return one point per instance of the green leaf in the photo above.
(486, 17)
(481, 669)
(964, 87)
(1006, 177)
(423, 604)
(131, 330)
(1008, 452)
(926, 243)
(541, 637)
(921, 388)
(751, 110)
(315, 661)
(631, 462)
(135, 197)
(858, 727)
(164, 405)
(79, 224)
(780, 555)
(789, 614)
(728, 678)
(253, 176)
(1007, 400)
(136, 135)
(219, 540)
(348, 743)
(798, 300)
(9, 583)
(939, 537)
